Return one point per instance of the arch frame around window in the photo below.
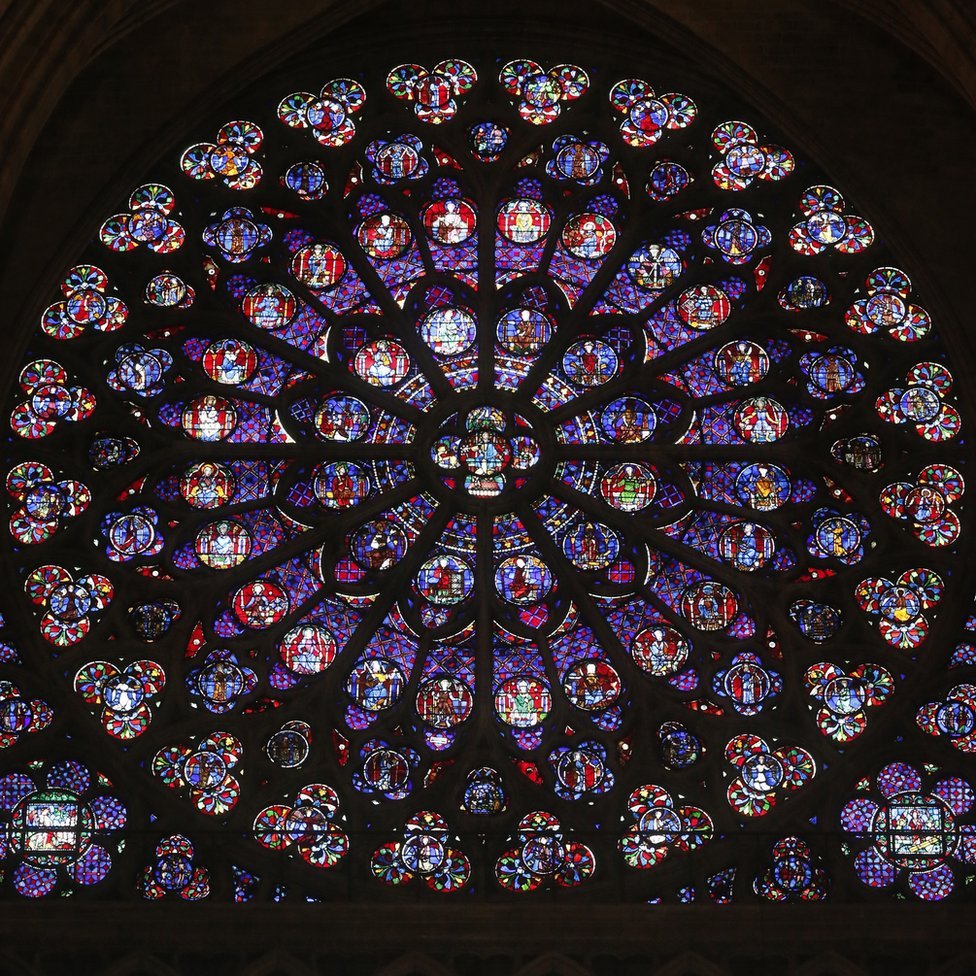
(127, 176)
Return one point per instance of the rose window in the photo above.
(513, 477)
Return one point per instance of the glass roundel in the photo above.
(519, 464)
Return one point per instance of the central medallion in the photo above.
(485, 450)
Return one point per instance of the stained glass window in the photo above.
(486, 477)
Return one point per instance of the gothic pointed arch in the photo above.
(830, 964)
(691, 963)
(553, 964)
(415, 964)
(140, 964)
(279, 962)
